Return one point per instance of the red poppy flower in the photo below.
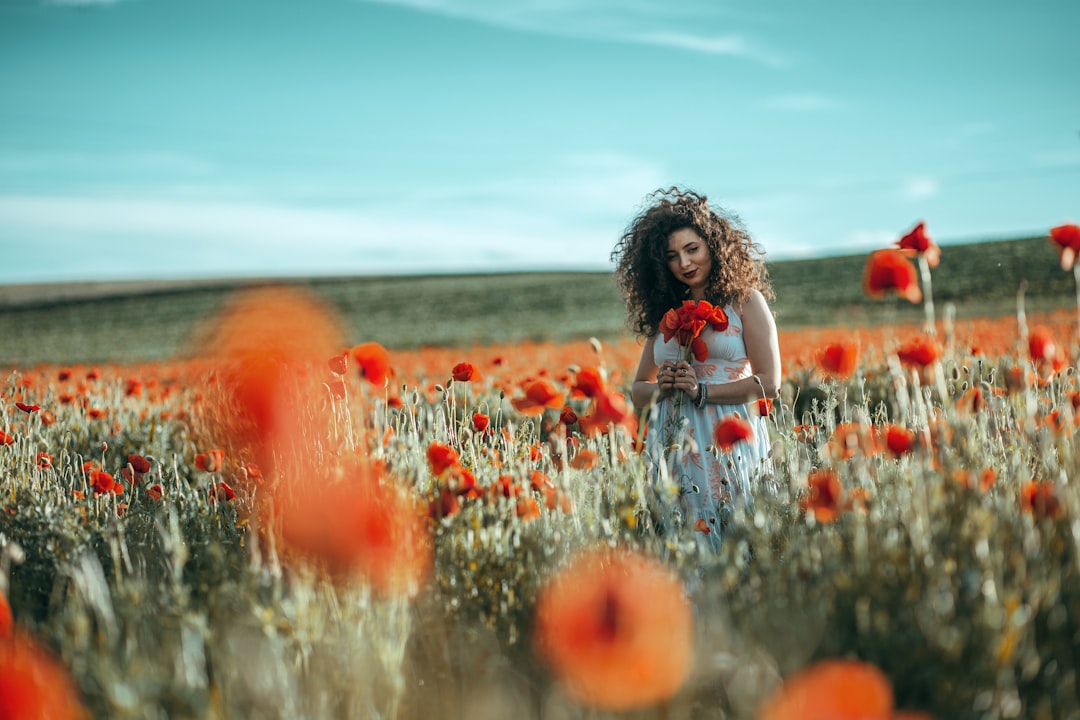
(6, 439)
(824, 496)
(609, 644)
(377, 529)
(27, 408)
(763, 407)
(133, 387)
(446, 504)
(889, 271)
(568, 416)
(839, 360)
(464, 372)
(921, 351)
(103, 482)
(44, 460)
(441, 457)
(33, 684)
(138, 463)
(480, 422)
(899, 439)
(47, 418)
(527, 509)
(222, 492)
(1066, 238)
(918, 242)
(338, 364)
(833, 689)
(851, 437)
(210, 461)
(588, 382)
(7, 619)
(1041, 345)
(374, 362)
(540, 395)
(154, 492)
(1039, 498)
(585, 459)
(731, 430)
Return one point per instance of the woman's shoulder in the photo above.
(753, 302)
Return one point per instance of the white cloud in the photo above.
(688, 26)
(919, 188)
(801, 102)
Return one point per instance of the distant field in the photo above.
(130, 322)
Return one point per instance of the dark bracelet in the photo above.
(702, 395)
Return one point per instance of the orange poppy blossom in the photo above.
(6, 439)
(210, 461)
(607, 641)
(838, 360)
(920, 352)
(588, 383)
(33, 683)
(377, 530)
(731, 430)
(373, 362)
(609, 409)
(568, 416)
(824, 498)
(898, 439)
(1066, 239)
(889, 271)
(1039, 498)
(540, 395)
(27, 408)
(833, 689)
(917, 242)
(441, 457)
(850, 438)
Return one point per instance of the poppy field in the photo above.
(291, 520)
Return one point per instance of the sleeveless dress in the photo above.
(708, 485)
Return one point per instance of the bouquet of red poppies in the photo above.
(687, 322)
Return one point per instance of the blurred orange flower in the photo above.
(921, 351)
(1066, 238)
(540, 395)
(441, 457)
(824, 498)
(374, 362)
(731, 430)
(210, 461)
(588, 382)
(377, 528)
(1039, 498)
(609, 644)
(33, 684)
(480, 422)
(898, 439)
(918, 242)
(339, 363)
(568, 416)
(889, 271)
(839, 360)
(831, 690)
(6, 439)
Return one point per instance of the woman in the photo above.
(680, 249)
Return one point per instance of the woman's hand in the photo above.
(677, 376)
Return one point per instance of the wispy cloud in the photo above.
(565, 215)
(919, 188)
(696, 27)
(801, 102)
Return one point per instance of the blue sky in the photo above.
(201, 138)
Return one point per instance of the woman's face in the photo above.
(689, 260)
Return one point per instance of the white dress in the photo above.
(708, 484)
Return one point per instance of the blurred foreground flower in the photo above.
(616, 630)
(839, 360)
(33, 685)
(889, 271)
(824, 496)
(361, 522)
(1066, 238)
(832, 690)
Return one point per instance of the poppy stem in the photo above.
(928, 293)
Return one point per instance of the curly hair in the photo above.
(641, 266)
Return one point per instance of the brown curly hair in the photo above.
(641, 267)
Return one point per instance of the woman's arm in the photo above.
(651, 381)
